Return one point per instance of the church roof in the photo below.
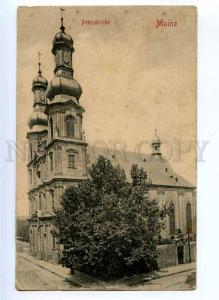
(158, 169)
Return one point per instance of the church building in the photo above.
(59, 157)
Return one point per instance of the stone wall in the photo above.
(168, 254)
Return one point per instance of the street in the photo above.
(33, 277)
(30, 276)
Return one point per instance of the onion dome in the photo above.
(64, 85)
(38, 117)
(62, 39)
(39, 82)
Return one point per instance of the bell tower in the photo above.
(66, 140)
(58, 157)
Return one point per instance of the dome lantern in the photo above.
(155, 145)
(39, 86)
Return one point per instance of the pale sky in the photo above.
(134, 78)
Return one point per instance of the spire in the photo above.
(39, 64)
(39, 84)
(62, 28)
(39, 81)
(155, 144)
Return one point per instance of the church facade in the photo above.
(59, 157)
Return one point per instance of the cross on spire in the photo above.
(155, 131)
(62, 26)
(39, 63)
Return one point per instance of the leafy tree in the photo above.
(108, 226)
(22, 229)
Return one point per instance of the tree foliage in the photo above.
(22, 229)
(108, 226)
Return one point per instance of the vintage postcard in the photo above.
(106, 140)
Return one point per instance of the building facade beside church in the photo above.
(59, 157)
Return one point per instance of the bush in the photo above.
(107, 225)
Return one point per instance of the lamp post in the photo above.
(189, 246)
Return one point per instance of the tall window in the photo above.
(172, 219)
(53, 199)
(44, 201)
(40, 202)
(51, 160)
(53, 242)
(38, 171)
(70, 126)
(31, 152)
(71, 161)
(51, 128)
(189, 218)
(34, 205)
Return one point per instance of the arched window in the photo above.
(70, 126)
(172, 219)
(51, 128)
(52, 199)
(34, 205)
(44, 201)
(31, 152)
(51, 161)
(57, 131)
(189, 218)
(38, 171)
(71, 161)
(40, 202)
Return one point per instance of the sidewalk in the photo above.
(81, 280)
(78, 279)
(176, 269)
(169, 271)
